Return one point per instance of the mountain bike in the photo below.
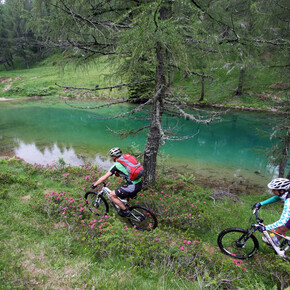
(140, 218)
(242, 244)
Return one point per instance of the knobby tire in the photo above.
(142, 218)
(233, 243)
(96, 203)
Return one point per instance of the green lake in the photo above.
(41, 132)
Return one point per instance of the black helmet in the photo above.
(115, 152)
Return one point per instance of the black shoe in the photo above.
(124, 213)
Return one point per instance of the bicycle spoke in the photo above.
(96, 203)
(236, 243)
(142, 219)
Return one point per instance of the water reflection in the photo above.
(51, 155)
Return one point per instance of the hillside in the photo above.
(50, 240)
(265, 88)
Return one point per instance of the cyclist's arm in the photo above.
(285, 216)
(103, 178)
(270, 200)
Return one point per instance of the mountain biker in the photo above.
(281, 189)
(129, 190)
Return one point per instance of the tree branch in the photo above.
(129, 132)
(135, 110)
(200, 119)
(104, 88)
(97, 107)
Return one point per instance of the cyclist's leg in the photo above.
(134, 190)
(283, 229)
(116, 200)
(125, 192)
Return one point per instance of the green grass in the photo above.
(40, 79)
(40, 247)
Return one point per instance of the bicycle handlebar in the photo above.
(255, 212)
(93, 186)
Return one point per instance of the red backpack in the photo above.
(133, 167)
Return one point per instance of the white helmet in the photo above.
(279, 183)
(115, 152)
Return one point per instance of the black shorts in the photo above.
(129, 190)
(288, 224)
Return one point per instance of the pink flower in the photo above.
(190, 215)
(184, 241)
(198, 216)
(196, 241)
(188, 242)
(156, 239)
(182, 248)
(238, 263)
(92, 226)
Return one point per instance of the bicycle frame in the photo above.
(278, 249)
(106, 190)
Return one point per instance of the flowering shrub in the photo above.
(177, 211)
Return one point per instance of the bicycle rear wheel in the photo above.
(237, 243)
(96, 203)
(142, 218)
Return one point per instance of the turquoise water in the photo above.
(42, 132)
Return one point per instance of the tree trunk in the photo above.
(154, 135)
(284, 158)
(152, 146)
(239, 90)
(202, 88)
(155, 131)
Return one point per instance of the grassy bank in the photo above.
(45, 78)
(49, 239)
(265, 88)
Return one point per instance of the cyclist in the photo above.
(129, 190)
(281, 189)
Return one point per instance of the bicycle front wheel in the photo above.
(142, 218)
(238, 243)
(96, 203)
